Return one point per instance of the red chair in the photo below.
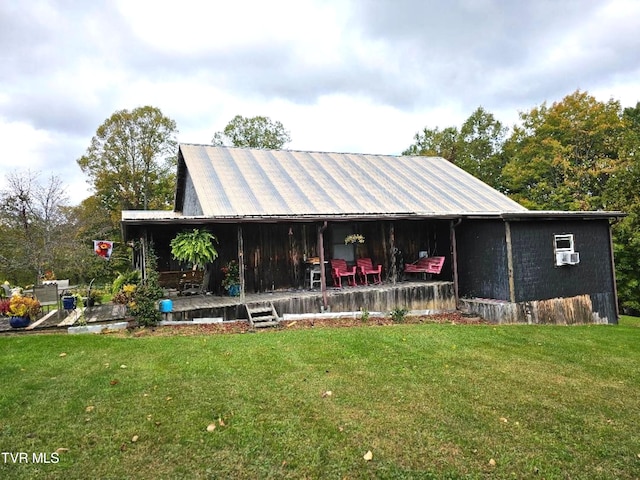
(365, 268)
(340, 269)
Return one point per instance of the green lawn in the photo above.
(428, 401)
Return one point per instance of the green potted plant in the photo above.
(231, 280)
(195, 247)
(94, 298)
(22, 310)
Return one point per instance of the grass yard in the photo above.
(427, 400)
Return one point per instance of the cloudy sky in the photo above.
(341, 75)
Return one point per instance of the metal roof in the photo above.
(251, 183)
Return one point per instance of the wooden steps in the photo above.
(263, 316)
(72, 318)
(42, 320)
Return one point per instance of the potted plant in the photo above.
(69, 300)
(4, 307)
(353, 238)
(22, 310)
(195, 247)
(94, 297)
(231, 280)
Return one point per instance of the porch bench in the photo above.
(169, 279)
(184, 281)
(340, 269)
(429, 265)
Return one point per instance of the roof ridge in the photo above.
(296, 150)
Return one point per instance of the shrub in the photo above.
(398, 314)
(143, 306)
(132, 277)
(125, 295)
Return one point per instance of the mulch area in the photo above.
(243, 327)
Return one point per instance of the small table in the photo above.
(315, 275)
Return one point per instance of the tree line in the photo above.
(574, 154)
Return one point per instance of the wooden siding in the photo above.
(483, 264)
(482, 259)
(274, 253)
(191, 205)
(580, 309)
(536, 275)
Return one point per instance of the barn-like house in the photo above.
(274, 211)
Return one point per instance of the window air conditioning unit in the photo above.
(567, 258)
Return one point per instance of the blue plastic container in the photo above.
(69, 303)
(166, 306)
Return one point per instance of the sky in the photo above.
(351, 76)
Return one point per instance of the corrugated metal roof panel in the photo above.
(236, 182)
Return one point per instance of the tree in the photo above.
(435, 142)
(89, 221)
(33, 234)
(131, 160)
(476, 147)
(623, 193)
(479, 147)
(255, 132)
(562, 156)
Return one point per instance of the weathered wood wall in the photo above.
(483, 263)
(433, 296)
(563, 311)
(482, 259)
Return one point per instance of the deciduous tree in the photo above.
(33, 219)
(131, 160)
(476, 147)
(479, 147)
(562, 155)
(254, 132)
(435, 142)
(623, 193)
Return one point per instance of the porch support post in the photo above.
(323, 275)
(454, 257)
(241, 261)
(512, 286)
(143, 256)
(392, 251)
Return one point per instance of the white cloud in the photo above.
(28, 149)
(349, 76)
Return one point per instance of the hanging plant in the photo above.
(194, 247)
(354, 238)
